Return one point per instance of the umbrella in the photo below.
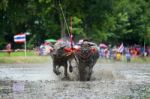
(50, 40)
(103, 45)
(60, 40)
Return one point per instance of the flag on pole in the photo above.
(20, 38)
(121, 48)
(71, 40)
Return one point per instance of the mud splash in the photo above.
(109, 81)
(107, 72)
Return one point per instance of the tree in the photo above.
(101, 20)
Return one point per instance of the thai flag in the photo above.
(20, 38)
(121, 48)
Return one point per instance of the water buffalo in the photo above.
(86, 57)
(61, 57)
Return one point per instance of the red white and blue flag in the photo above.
(121, 48)
(20, 38)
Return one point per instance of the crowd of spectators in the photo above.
(105, 51)
(128, 52)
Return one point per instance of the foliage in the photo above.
(111, 21)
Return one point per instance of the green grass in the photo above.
(28, 59)
(123, 60)
(31, 53)
(141, 59)
(19, 57)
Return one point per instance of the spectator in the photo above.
(128, 57)
(118, 56)
(42, 49)
(8, 48)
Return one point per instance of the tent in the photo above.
(50, 40)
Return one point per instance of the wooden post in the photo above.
(71, 36)
(25, 47)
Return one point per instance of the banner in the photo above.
(20, 38)
(121, 48)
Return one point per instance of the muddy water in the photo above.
(109, 81)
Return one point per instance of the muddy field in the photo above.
(109, 81)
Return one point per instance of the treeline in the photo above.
(109, 21)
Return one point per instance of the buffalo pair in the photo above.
(85, 55)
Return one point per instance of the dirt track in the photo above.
(109, 81)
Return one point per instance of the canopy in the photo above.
(50, 40)
(103, 45)
(59, 40)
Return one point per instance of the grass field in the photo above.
(19, 57)
(123, 60)
(5, 54)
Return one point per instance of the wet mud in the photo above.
(109, 81)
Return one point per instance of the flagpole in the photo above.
(25, 47)
(25, 43)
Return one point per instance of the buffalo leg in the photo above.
(90, 73)
(65, 70)
(70, 66)
(55, 70)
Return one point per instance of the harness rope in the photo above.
(84, 56)
(64, 18)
